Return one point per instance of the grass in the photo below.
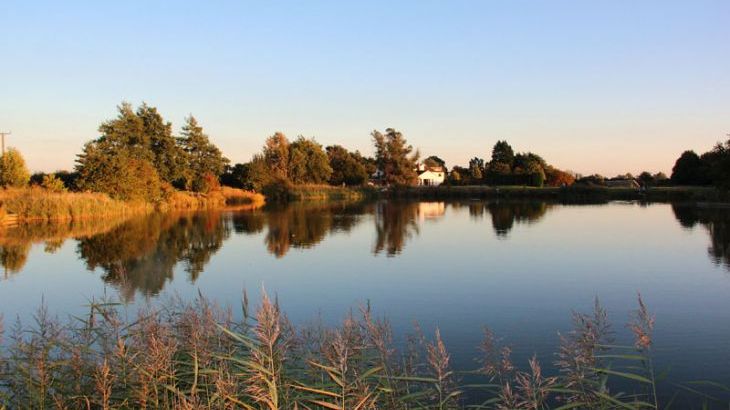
(38, 204)
(195, 356)
(226, 196)
(317, 192)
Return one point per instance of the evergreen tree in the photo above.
(204, 160)
(169, 158)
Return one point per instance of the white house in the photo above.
(430, 176)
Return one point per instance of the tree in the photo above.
(276, 155)
(433, 162)
(346, 168)
(395, 158)
(308, 163)
(502, 153)
(52, 183)
(476, 169)
(120, 176)
(13, 172)
(556, 177)
(689, 169)
(203, 158)
(259, 174)
(455, 176)
(169, 158)
(646, 178)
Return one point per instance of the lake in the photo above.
(517, 267)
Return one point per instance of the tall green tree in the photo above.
(13, 172)
(308, 163)
(168, 157)
(396, 159)
(204, 159)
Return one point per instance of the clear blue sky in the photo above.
(593, 86)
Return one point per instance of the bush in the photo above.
(13, 172)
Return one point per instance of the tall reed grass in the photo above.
(194, 355)
(39, 204)
(36, 203)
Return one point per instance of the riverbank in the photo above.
(312, 192)
(572, 193)
(38, 204)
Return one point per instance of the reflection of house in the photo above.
(622, 183)
(430, 176)
(430, 210)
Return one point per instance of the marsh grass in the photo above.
(36, 203)
(193, 355)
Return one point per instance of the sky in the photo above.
(593, 86)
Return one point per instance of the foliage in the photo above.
(308, 162)
(276, 156)
(689, 170)
(395, 158)
(203, 159)
(52, 183)
(502, 153)
(137, 157)
(13, 172)
(346, 168)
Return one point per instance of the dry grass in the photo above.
(36, 203)
(39, 204)
(195, 356)
(225, 197)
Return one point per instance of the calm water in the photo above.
(517, 267)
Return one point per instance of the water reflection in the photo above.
(504, 215)
(15, 243)
(716, 219)
(140, 255)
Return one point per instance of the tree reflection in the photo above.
(505, 215)
(717, 222)
(395, 223)
(303, 225)
(141, 254)
(15, 243)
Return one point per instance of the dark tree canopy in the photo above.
(503, 153)
(689, 170)
(346, 168)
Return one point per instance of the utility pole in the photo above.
(3, 134)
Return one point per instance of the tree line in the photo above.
(138, 156)
(710, 168)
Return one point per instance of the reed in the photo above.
(193, 355)
(36, 203)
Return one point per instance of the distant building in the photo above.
(623, 183)
(430, 176)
